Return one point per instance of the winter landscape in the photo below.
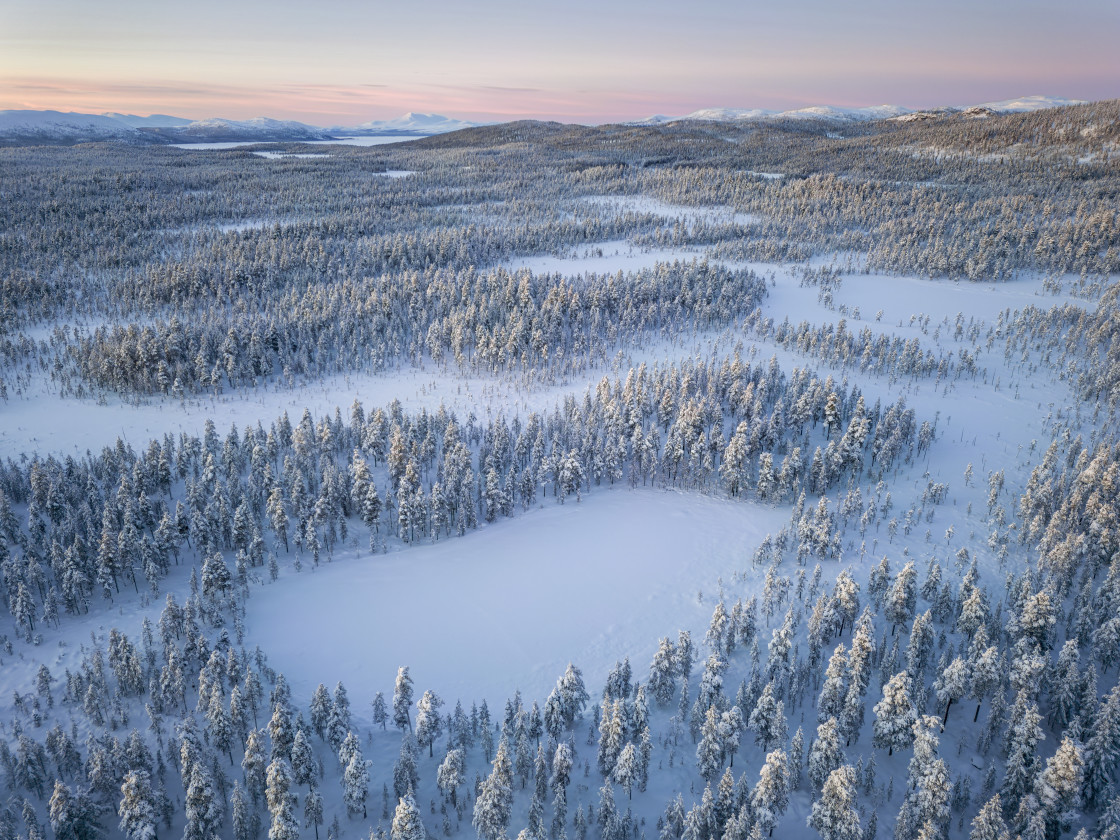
(740, 475)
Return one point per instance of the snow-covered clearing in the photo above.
(41, 421)
(282, 155)
(507, 607)
(601, 258)
(680, 212)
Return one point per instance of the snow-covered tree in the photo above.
(989, 823)
(303, 760)
(830, 703)
(495, 797)
(825, 754)
(834, 815)
(313, 811)
(951, 684)
(429, 725)
(662, 672)
(380, 714)
(894, 715)
(203, 806)
(449, 776)
(355, 784)
(1058, 787)
(137, 808)
(402, 700)
(903, 597)
(627, 770)
(709, 752)
(407, 824)
(770, 796)
(768, 720)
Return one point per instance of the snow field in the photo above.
(506, 608)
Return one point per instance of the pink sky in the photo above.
(349, 61)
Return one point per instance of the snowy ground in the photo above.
(507, 607)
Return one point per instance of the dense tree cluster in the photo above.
(123, 518)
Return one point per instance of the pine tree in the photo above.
(320, 710)
(709, 752)
(203, 807)
(449, 776)
(495, 797)
(661, 673)
(951, 685)
(824, 754)
(1102, 750)
(284, 825)
(985, 676)
(73, 816)
(279, 784)
(928, 786)
(989, 824)
(612, 735)
(834, 815)
(313, 811)
(771, 795)
(241, 813)
(380, 714)
(830, 704)
(402, 700)
(355, 784)
(303, 760)
(1058, 787)
(137, 808)
(894, 715)
(281, 732)
(731, 727)
(573, 694)
(429, 725)
(626, 770)
(903, 597)
(767, 720)
(254, 764)
(1023, 737)
(405, 774)
(407, 824)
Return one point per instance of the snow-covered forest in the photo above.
(679, 482)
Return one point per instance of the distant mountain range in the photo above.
(875, 112)
(19, 128)
(410, 123)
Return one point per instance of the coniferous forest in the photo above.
(296, 441)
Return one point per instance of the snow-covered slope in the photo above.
(262, 128)
(58, 127)
(724, 114)
(150, 121)
(816, 112)
(1029, 103)
(412, 123)
(834, 113)
(831, 112)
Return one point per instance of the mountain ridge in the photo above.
(834, 113)
(31, 127)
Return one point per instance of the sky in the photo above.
(341, 62)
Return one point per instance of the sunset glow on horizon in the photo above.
(580, 62)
